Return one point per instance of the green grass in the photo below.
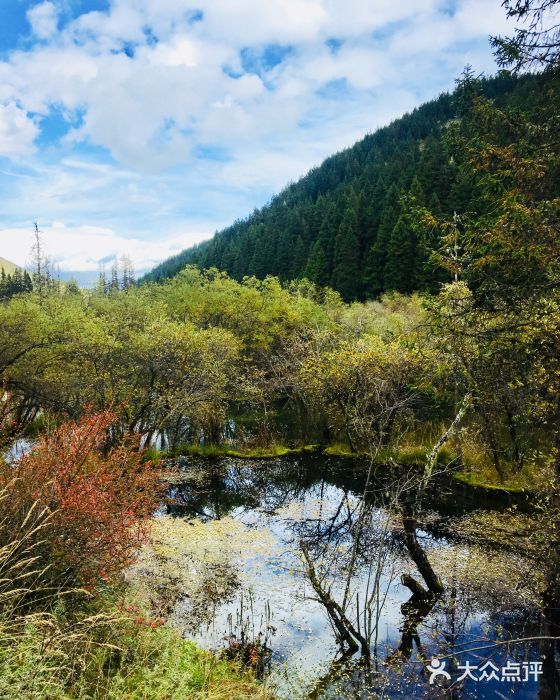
(409, 455)
(128, 663)
(480, 482)
(339, 449)
(216, 451)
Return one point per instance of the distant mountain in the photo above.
(8, 267)
(344, 224)
(82, 278)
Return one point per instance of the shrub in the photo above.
(100, 500)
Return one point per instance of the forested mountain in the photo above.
(347, 223)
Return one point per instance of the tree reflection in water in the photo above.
(359, 550)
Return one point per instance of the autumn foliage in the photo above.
(100, 499)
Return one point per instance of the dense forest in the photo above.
(347, 224)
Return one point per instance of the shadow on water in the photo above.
(355, 606)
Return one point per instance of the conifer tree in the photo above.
(401, 254)
(376, 260)
(299, 258)
(41, 272)
(114, 285)
(317, 269)
(102, 281)
(346, 272)
(127, 275)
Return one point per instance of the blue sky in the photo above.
(142, 126)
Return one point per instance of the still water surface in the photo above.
(249, 519)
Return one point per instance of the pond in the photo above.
(238, 543)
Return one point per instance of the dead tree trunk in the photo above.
(418, 555)
(345, 629)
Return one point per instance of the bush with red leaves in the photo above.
(100, 500)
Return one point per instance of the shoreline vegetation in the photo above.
(408, 456)
(70, 628)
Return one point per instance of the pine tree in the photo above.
(401, 253)
(127, 276)
(299, 259)
(41, 273)
(346, 273)
(114, 286)
(27, 282)
(317, 269)
(102, 281)
(376, 259)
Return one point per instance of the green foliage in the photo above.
(535, 43)
(16, 282)
(498, 323)
(346, 272)
(216, 451)
(317, 268)
(364, 387)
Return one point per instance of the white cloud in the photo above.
(17, 131)
(151, 107)
(43, 19)
(83, 248)
(143, 110)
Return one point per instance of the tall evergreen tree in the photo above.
(377, 257)
(317, 268)
(346, 272)
(400, 267)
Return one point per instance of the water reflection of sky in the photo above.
(303, 644)
(17, 449)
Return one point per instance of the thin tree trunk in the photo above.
(418, 555)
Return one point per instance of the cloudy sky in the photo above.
(142, 126)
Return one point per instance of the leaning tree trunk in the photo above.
(418, 555)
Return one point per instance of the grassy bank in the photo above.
(414, 456)
(109, 656)
(217, 451)
(476, 472)
(478, 481)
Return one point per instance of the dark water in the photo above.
(252, 518)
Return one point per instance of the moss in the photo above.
(341, 450)
(410, 455)
(216, 451)
(475, 481)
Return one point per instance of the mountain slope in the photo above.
(8, 267)
(345, 223)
